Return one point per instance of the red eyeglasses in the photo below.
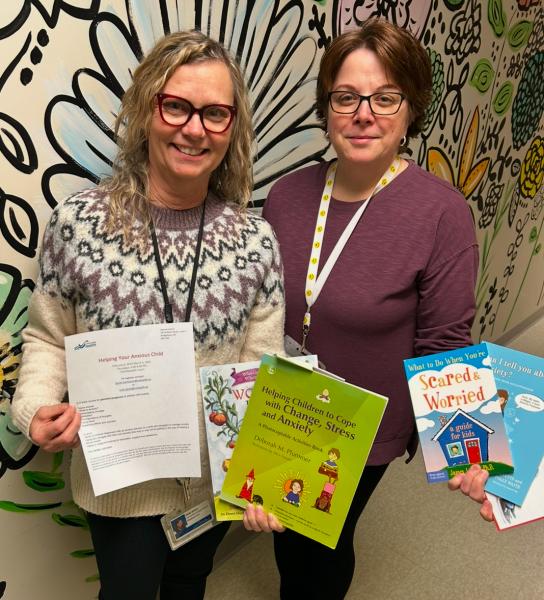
(176, 111)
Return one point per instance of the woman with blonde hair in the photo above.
(165, 238)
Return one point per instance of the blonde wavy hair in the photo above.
(128, 185)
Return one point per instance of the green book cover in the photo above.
(302, 448)
(226, 390)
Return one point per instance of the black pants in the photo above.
(134, 559)
(311, 570)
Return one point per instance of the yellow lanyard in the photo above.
(315, 282)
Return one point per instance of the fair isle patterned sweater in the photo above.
(91, 280)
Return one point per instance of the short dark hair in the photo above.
(405, 60)
(300, 483)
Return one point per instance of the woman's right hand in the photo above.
(55, 428)
(472, 484)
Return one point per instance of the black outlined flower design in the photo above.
(465, 30)
(279, 59)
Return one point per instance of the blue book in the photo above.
(520, 386)
(458, 413)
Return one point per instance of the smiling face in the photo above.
(363, 138)
(182, 159)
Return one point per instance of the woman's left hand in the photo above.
(472, 485)
(257, 519)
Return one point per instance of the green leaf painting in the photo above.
(496, 16)
(43, 482)
(519, 34)
(482, 75)
(57, 460)
(70, 520)
(26, 508)
(503, 98)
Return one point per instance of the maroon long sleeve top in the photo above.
(402, 287)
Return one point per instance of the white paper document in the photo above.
(136, 391)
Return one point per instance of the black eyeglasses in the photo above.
(381, 103)
(176, 111)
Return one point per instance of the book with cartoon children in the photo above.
(458, 413)
(226, 390)
(303, 446)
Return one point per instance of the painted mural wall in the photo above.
(63, 68)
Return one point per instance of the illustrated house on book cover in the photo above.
(458, 412)
(473, 445)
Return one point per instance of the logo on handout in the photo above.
(84, 345)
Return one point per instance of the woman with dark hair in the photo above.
(365, 291)
(165, 238)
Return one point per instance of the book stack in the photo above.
(302, 446)
(484, 404)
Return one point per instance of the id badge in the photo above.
(183, 527)
(293, 349)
